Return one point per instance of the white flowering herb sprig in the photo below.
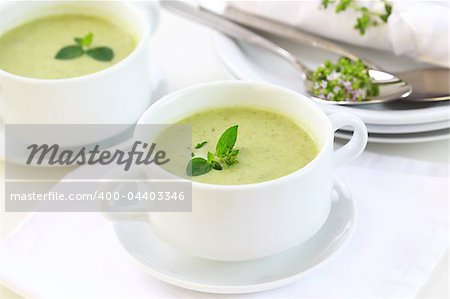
(345, 80)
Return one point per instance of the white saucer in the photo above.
(248, 62)
(181, 269)
(401, 138)
(405, 129)
(160, 88)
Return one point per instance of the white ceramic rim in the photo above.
(146, 33)
(420, 137)
(174, 96)
(408, 129)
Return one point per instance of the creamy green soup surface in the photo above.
(29, 49)
(271, 145)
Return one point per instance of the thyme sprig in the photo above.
(368, 18)
(345, 80)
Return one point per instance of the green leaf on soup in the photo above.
(86, 40)
(210, 157)
(226, 141)
(79, 41)
(69, 52)
(234, 153)
(198, 166)
(231, 158)
(101, 53)
(201, 144)
(216, 165)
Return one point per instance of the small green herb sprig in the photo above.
(225, 155)
(367, 17)
(201, 144)
(345, 80)
(82, 46)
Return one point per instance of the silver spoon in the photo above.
(429, 84)
(391, 87)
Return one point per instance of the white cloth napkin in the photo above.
(418, 29)
(400, 235)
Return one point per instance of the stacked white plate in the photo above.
(395, 122)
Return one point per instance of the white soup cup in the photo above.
(245, 222)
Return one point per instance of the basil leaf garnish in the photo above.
(226, 142)
(225, 154)
(69, 52)
(101, 53)
(82, 47)
(198, 166)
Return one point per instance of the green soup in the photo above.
(29, 50)
(271, 145)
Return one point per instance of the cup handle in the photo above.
(113, 212)
(357, 142)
